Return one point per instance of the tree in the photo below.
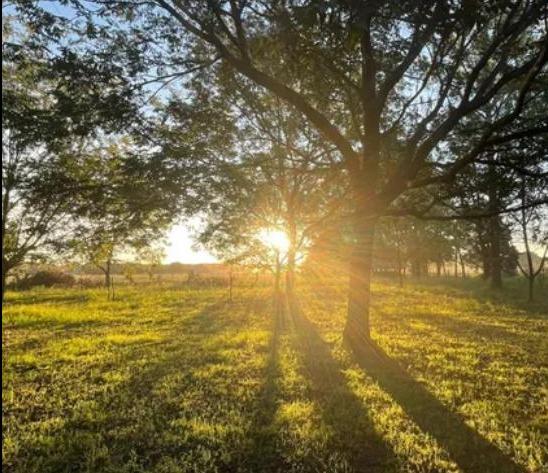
(50, 105)
(152, 256)
(264, 169)
(388, 85)
(254, 166)
(416, 243)
(532, 224)
(35, 209)
(479, 242)
(129, 198)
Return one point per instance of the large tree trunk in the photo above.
(357, 322)
(495, 263)
(4, 279)
(531, 289)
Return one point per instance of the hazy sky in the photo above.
(180, 249)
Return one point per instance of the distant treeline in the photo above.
(141, 268)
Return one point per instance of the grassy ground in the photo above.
(175, 380)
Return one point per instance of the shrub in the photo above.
(46, 279)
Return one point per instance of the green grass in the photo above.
(177, 380)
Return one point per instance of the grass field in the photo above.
(180, 380)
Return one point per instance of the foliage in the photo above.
(46, 279)
(408, 97)
(53, 93)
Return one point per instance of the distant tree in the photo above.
(534, 231)
(479, 243)
(131, 198)
(493, 181)
(151, 256)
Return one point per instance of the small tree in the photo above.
(532, 224)
(151, 256)
(131, 198)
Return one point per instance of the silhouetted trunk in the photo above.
(495, 263)
(277, 275)
(107, 270)
(531, 272)
(357, 322)
(230, 280)
(112, 296)
(400, 264)
(486, 269)
(291, 259)
(416, 268)
(4, 280)
(462, 267)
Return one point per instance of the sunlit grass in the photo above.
(181, 380)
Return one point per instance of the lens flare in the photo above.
(275, 239)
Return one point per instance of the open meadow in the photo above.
(298, 236)
(179, 379)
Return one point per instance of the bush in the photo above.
(46, 279)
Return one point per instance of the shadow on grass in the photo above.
(342, 410)
(513, 293)
(24, 298)
(127, 425)
(263, 455)
(472, 452)
(473, 328)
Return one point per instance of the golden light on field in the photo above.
(275, 239)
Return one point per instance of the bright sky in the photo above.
(179, 248)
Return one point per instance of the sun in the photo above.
(275, 239)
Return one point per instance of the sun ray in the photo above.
(275, 239)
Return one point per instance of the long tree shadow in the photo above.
(471, 451)
(513, 295)
(133, 418)
(263, 455)
(342, 410)
(473, 328)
